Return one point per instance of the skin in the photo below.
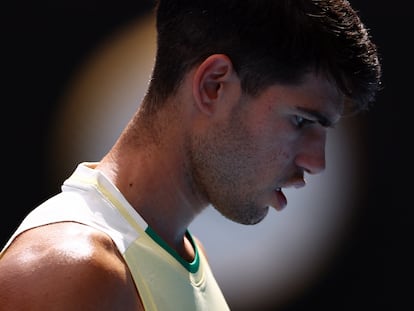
(210, 144)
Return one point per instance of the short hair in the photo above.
(268, 42)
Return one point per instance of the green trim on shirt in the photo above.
(191, 267)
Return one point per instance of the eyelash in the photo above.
(300, 122)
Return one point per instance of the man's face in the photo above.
(263, 144)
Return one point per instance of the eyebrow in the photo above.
(322, 119)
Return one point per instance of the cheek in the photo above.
(274, 162)
(279, 155)
(274, 157)
(274, 144)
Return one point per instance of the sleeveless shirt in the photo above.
(164, 280)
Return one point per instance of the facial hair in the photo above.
(223, 165)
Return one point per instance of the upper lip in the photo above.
(297, 183)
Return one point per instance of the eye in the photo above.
(300, 122)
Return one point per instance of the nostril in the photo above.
(311, 164)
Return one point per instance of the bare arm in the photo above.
(65, 266)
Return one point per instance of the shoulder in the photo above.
(69, 265)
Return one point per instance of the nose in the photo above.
(311, 157)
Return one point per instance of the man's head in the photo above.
(253, 87)
(268, 42)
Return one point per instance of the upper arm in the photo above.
(65, 266)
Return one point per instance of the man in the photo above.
(238, 107)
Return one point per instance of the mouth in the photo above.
(281, 199)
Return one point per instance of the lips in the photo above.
(281, 199)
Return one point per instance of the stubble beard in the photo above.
(221, 173)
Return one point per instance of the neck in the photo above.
(156, 185)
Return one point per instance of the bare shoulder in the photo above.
(68, 266)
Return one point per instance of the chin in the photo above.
(253, 217)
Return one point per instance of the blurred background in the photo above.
(73, 72)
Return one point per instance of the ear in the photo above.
(209, 80)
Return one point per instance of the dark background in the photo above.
(42, 42)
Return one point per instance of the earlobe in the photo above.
(209, 81)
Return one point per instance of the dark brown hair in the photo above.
(268, 41)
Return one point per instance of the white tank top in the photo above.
(164, 280)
